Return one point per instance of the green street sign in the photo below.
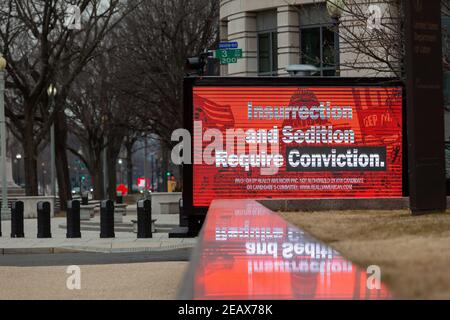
(227, 56)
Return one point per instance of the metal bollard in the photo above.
(107, 219)
(43, 213)
(144, 215)
(183, 217)
(73, 219)
(119, 198)
(85, 198)
(17, 220)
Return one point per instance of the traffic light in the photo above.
(168, 174)
(195, 66)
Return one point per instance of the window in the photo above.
(266, 24)
(318, 43)
(267, 53)
(318, 48)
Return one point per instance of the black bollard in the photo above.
(43, 213)
(119, 198)
(85, 198)
(144, 215)
(73, 219)
(183, 218)
(107, 219)
(17, 220)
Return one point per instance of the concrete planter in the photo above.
(86, 212)
(119, 212)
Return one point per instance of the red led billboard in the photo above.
(260, 142)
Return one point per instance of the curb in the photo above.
(55, 250)
(16, 251)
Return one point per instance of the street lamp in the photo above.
(52, 92)
(5, 213)
(335, 9)
(105, 155)
(120, 162)
(44, 175)
(18, 158)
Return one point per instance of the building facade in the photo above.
(277, 33)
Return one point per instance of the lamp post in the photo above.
(146, 164)
(44, 174)
(18, 158)
(51, 91)
(335, 9)
(120, 162)
(5, 212)
(105, 157)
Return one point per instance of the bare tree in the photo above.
(40, 49)
(158, 37)
(97, 119)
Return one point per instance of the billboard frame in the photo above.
(189, 83)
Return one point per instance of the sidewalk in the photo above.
(125, 240)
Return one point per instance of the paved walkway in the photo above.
(125, 240)
(153, 280)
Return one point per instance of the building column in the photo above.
(242, 28)
(288, 38)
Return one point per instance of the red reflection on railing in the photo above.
(249, 252)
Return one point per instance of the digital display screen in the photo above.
(296, 142)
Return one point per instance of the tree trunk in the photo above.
(164, 165)
(112, 179)
(180, 181)
(30, 155)
(129, 148)
(62, 163)
(113, 150)
(97, 180)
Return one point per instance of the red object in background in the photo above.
(376, 122)
(248, 252)
(141, 183)
(122, 188)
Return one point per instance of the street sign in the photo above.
(228, 45)
(229, 55)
